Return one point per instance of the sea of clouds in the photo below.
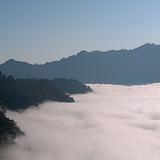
(112, 123)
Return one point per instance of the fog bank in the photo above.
(113, 123)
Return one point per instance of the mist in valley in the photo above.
(112, 123)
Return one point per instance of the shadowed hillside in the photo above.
(21, 93)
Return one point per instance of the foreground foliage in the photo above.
(8, 128)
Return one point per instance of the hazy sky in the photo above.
(44, 30)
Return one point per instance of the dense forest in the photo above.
(8, 128)
(71, 86)
(20, 93)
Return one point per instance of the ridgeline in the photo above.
(18, 94)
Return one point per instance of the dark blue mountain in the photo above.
(139, 65)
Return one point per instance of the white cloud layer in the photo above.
(113, 123)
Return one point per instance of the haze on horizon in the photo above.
(39, 31)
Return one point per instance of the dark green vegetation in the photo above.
(71, 86)
(20, 93)
(139, 65)
(8, 128)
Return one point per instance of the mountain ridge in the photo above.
(139, 65)
(84, 51)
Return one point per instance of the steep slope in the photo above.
(8, 128)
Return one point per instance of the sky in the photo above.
(38, 31)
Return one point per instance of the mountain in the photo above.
(20, 94)
(139, 65)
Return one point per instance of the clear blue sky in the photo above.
(37, 31)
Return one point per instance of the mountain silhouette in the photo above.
(135, 66)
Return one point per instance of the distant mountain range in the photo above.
(139, 65)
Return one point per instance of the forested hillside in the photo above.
(21, 93)
(8, 128)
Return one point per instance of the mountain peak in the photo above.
(148, 45)
(82, 52)
(13, 62)
(10, 61)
